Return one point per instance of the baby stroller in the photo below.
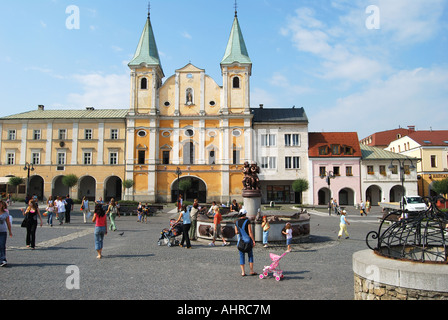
(274, 267)
(168, 235)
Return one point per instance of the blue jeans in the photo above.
(265, 237)
(99, 236)
(50, 218)
(243, 256)
(3, 237)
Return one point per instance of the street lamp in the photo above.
(29, 167)
(402, 172)
(328, 176)
(178, 172)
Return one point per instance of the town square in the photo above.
(294, 145)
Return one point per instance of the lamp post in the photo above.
(402, 173)
(328, 176)
(29, 167)
(178, 172)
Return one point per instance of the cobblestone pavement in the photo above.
(134, 267)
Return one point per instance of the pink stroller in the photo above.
(274, 267)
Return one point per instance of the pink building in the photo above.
(337, 154)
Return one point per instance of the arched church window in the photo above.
(144, 84)
(236, 82)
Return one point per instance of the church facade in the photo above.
(185, 127)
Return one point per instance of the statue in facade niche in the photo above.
(251, 180)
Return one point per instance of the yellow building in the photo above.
(188, 123)
(54, 143)
(186, 127)
(432, 148)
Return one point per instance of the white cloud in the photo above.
(411, 21)
(101, 91)
(410, 97)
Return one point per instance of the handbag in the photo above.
(244, 246)
(24, 222)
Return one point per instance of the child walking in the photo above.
(266, 226)
(288, 234)
(343, 225)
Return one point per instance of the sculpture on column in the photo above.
(251, 180)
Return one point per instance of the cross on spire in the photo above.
(149, 8)
(236, 8)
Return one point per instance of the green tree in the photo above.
(440, 186)
(70, 181)
(300, 185)
(184, 185)
(15, 182)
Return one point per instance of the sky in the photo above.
(353, 65)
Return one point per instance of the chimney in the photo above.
(261, 106)
(411, 128)
(41, 107)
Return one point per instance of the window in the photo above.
(236, 82)
(188, 151)
(36, 135)
(141, 157)
(211, 157)
(35, 158)
(337, 171)
(324, 150)
(370, 170)
(292, 163)
(292, 140)
(87, 158)
(394, 169)
(433, 161)
(61, 158)
(113, 158)
(348, 150)
(144, 84)
(11, 134)
(236, 156)
(322, 171)
(268, 162)
(189, 133)
(406, 169)
(349, 171)
(166, 157)
(88, 134)
(383, 170)
(62, 134)
(11, 158)
(335, 149)
(268, 140)
(114, 134)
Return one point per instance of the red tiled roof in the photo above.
(322, 139)
(430, 138)
(384, 138)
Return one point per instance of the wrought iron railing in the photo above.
(415, 236)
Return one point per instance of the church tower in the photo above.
(236, 68)
(146, 74)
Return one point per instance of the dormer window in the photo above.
(324, 150)
(144, 84)
(236, 82)
(335, 149)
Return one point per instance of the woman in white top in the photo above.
(85, 208)
(60, 203)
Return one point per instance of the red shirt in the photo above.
(100, 221)
(217, 219)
